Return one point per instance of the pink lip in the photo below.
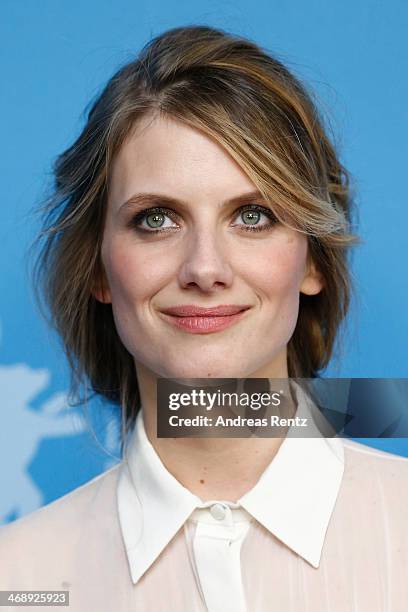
(191, 310)
(199, 320)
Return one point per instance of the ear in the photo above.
(102, 295)
(312, 282)
(100, 290)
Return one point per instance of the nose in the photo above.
(205, 262)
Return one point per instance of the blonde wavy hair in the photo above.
(250, 103)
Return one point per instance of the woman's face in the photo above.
(205, 254)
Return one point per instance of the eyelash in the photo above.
(140, 216)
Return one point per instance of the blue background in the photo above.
(56, 56)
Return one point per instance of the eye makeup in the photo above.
(256, 210)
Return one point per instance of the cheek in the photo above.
(277, 268)
(132, 274)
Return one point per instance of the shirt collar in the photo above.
(294, 498)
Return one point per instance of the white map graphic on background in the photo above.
(27, 427)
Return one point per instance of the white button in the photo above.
(218, 511)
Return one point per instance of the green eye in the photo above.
(155, 219)
(251, 216)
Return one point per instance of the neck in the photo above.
(211, 468)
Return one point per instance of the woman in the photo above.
(200, 229)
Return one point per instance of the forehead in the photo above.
(165, 155)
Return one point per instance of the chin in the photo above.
(206, 370)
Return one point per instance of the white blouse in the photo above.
(324, 529)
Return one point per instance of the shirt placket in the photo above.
(217, 552)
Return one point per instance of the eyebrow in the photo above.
(148, 199)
